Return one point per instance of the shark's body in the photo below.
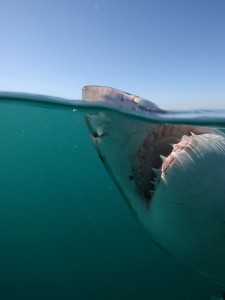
(172, 177)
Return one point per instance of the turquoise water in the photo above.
(65, 230)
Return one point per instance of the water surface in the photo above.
(65, 231)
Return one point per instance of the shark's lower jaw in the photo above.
(161, 143)
(187, 210)
(179, 172)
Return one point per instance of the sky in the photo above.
(171, 52)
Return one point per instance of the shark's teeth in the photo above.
(156, 171)
(162, 157)
(184, 137)
(155, 182)
(152, 193)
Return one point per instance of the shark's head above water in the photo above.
(172, 177)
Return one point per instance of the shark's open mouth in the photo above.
(158, 144)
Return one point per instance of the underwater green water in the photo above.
(65, 230)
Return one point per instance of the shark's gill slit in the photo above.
(158, 145)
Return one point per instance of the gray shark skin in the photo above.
(171, 176)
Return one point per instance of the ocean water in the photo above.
(65, 230)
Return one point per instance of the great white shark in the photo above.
(171, 176)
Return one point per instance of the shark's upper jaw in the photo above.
(158, 145)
